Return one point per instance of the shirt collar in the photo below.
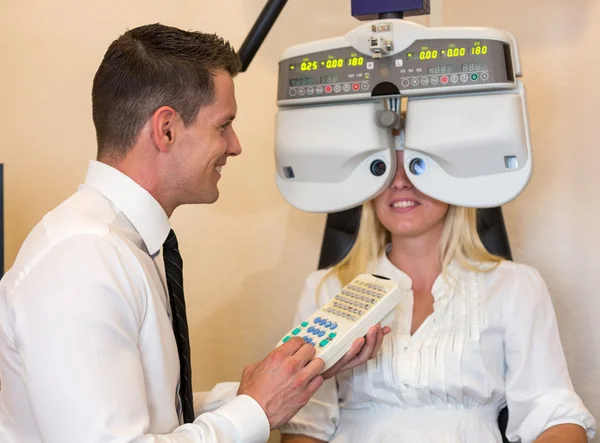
(386, 268)
(143, 211)
(442, 283)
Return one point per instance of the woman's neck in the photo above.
(418, 257)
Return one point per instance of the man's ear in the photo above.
(164, 126)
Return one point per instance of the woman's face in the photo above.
(405, 211)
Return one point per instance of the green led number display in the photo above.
(456, 52)
(356, 61)
(428, 55)
(334, 63)
(309, 66)
(478, 50)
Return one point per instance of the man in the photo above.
(93, 331)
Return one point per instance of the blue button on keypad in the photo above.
(316, 331)
(317, 320)
(334, 325)
(322, 322)
(328, 324)
(321, 333)
(311, 328)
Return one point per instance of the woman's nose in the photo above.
(401, 180)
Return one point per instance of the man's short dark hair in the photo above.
(149, 67)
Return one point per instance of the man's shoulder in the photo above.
(84, 214)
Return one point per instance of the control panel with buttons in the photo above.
(361, 304)
(429, 65)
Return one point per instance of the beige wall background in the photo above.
(247, 255)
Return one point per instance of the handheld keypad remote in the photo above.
(363, 303)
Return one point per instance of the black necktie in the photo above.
(174, 271)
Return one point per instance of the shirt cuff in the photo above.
(221, 394)
(248, 417)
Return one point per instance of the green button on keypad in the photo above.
(304, 324)
(323, 343)
(296, 331)
(286, 338)
(332, 335)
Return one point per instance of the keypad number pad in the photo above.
(356, 299)
(319, 331)
(350, 304)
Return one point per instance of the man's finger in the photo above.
(312, 369)
(304, 354)
(292, 345)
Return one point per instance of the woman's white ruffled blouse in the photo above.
(491, 341)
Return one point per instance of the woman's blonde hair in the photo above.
(460, 241)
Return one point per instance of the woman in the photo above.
(473, 334)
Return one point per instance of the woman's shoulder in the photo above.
(514, 280)
(322, 281)
(313, 279)
(508, 269)
(514, 272)
(319, 288)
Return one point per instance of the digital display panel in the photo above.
(451, 51)
(427, 64)
(328, 62)
(456, 51)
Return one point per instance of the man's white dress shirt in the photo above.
(87, 352)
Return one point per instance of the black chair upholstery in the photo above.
(340, 234)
